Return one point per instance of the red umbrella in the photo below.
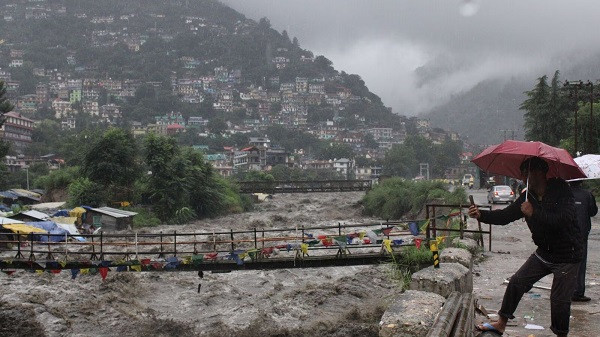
(505, 159)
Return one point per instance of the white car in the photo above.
(501, 193)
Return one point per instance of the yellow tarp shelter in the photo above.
(19, 228)
(77, 212)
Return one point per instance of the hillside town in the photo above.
(77, 88)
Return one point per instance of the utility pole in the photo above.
(590, 136)
(575, 86)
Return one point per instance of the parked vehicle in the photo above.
(501, 193)
(468, 180)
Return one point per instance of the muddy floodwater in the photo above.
(335, 301)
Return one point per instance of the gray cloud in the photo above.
(455, 43)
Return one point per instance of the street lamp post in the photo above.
(576, 85)
(27, 174)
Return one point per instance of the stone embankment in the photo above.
(438, 298)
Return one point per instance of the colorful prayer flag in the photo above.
(414, 228)
(387, 244)
(103, 272)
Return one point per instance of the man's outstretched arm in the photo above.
(499, 217)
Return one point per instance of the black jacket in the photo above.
(553, 224)
(585, 207)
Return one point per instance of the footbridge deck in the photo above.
(297, 186)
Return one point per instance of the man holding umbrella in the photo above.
(549, 210)
(585, 206)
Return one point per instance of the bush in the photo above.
(144, 218)
(412, 258)
(396, 198)
(58, 179)
(83, 191)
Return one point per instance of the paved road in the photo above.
(512, 245)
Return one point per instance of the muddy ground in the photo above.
(511, 246)
(346, 301)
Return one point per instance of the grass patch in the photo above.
(411, 260)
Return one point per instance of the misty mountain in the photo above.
(481, 114)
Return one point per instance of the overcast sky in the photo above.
(385, 41)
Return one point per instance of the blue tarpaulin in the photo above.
(52, 228)
(62, 212)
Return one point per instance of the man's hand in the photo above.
(527, 209)
(474, 212)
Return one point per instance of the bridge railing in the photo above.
(127, 245)
(433, 228)
(301, 186)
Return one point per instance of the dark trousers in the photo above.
(563, 286)
(580, 289)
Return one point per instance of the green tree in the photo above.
(536, 107)
(5, 107)
(558, 112)
(401, 161)
(336, 151)
(370, 142)
(285, 36)
(111, 162)
(217, 126)
(83, 191)
(164, 187)
(258, 176)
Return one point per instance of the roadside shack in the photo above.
(110, 218)
(31, 215)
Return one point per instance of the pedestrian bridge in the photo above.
(294, 247)
(298, 186)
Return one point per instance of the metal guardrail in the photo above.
(432, 228)
(139, 246)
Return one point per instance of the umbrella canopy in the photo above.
(590, 165)
(505, 159)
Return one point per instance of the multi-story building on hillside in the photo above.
(17, 130)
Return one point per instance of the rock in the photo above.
(412, 314)
(457, 255)
(444, 280)
(468, 244)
